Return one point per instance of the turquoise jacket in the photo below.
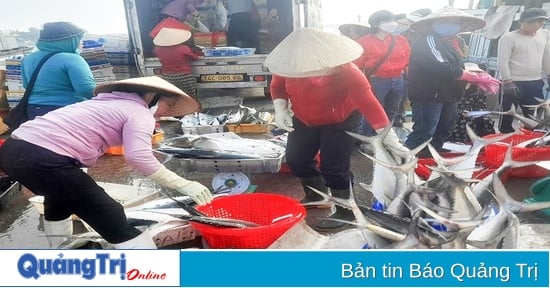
(64, 79)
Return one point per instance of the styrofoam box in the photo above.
(205, 129)
(265, 165)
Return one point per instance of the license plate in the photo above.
(222, 78)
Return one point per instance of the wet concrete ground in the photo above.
(21, 225)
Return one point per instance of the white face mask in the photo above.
(154, 109)
(388, 27)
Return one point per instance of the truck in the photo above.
(279, 18)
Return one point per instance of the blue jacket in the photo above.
(64, 79)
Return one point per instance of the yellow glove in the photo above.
(198, 192)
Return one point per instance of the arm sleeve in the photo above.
(189, 52)
(432, 59)
(81, 76)
(503, 57)
(278, 87)
(136, 136)
(360, 91)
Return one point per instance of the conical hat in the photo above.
(185, 104)
(171, 37)
(308, 52)
(468, 22)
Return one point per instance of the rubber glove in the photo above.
(198, 192)
(392, 140)
(283, 115)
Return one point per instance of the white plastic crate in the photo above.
(265, 165)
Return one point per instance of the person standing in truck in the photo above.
(175, 57)
(244, 22)
(180, 9)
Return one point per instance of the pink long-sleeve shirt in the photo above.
(84, 130)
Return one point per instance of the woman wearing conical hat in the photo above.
(437, 77)
(313, 71)
(175, 56)
(46, 154)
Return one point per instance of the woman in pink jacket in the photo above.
(46, 155)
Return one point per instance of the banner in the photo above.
(275, 268)
(365, 268)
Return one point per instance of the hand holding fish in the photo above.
(198, 192)
(283, 116)
(392, 140)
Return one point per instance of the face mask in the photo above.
(446, 29)
(154, 109)
(400, 29)
(388, 26)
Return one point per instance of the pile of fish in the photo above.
(243, 115)
(448, 210)
(226, 145)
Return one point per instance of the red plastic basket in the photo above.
(261, 208)
(495, 154)
(423, 166)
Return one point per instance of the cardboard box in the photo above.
(247, 128)
(210, 39)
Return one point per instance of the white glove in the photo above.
(198, 192)
(392, 140)
(283, 117)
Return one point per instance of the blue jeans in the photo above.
(431, 120)
(390, 93)
(528, 91)
(34, 111)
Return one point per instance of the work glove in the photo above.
(198, 192)
(283, 115)
(392, 140)
(484, 81)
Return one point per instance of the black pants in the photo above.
(66, 189)
(242, 31)
(334, 144)
(528, 90)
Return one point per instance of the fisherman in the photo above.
(437, 78)
(244, 23)
(46, 155)
(313, 71)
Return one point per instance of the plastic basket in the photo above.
(496, 152)
(275, 214)
(423, 166)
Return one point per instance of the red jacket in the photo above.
(175, 59)
(375, 48)
(330, 99)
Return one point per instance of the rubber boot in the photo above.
(339, 213)
(318, 183)
(56, 230)
(142, 241)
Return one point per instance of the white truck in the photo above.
(279, 18)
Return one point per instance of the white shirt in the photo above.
(523, 57)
